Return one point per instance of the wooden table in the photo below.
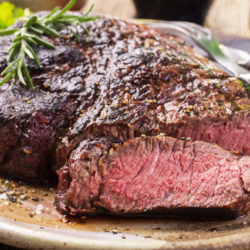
(224, 16)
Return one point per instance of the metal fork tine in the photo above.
(205, 41)
(195, 29)
(174, 27)
(194, 32)
(189, 29)
(203, 30)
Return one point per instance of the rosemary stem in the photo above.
(29, 35)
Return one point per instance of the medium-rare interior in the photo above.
(154, 175)
(129, 82)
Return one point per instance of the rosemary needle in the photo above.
(29, 35)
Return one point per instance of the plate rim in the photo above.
(20, 234)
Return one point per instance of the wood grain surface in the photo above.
(230, 17)
(119, 8)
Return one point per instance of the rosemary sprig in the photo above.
(29, 35)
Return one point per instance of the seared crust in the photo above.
(127, 81)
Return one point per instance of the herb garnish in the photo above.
(29, 35)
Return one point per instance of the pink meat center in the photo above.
(155, 174)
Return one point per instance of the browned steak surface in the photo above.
(146, 83)
(126, 81)
(152, 175)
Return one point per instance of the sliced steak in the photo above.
(154, 174)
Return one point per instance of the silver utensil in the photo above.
(237, 55)
(230, 59)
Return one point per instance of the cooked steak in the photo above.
(32, 121)
(127, 81)
(154, 174)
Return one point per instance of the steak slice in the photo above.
(154, 174)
